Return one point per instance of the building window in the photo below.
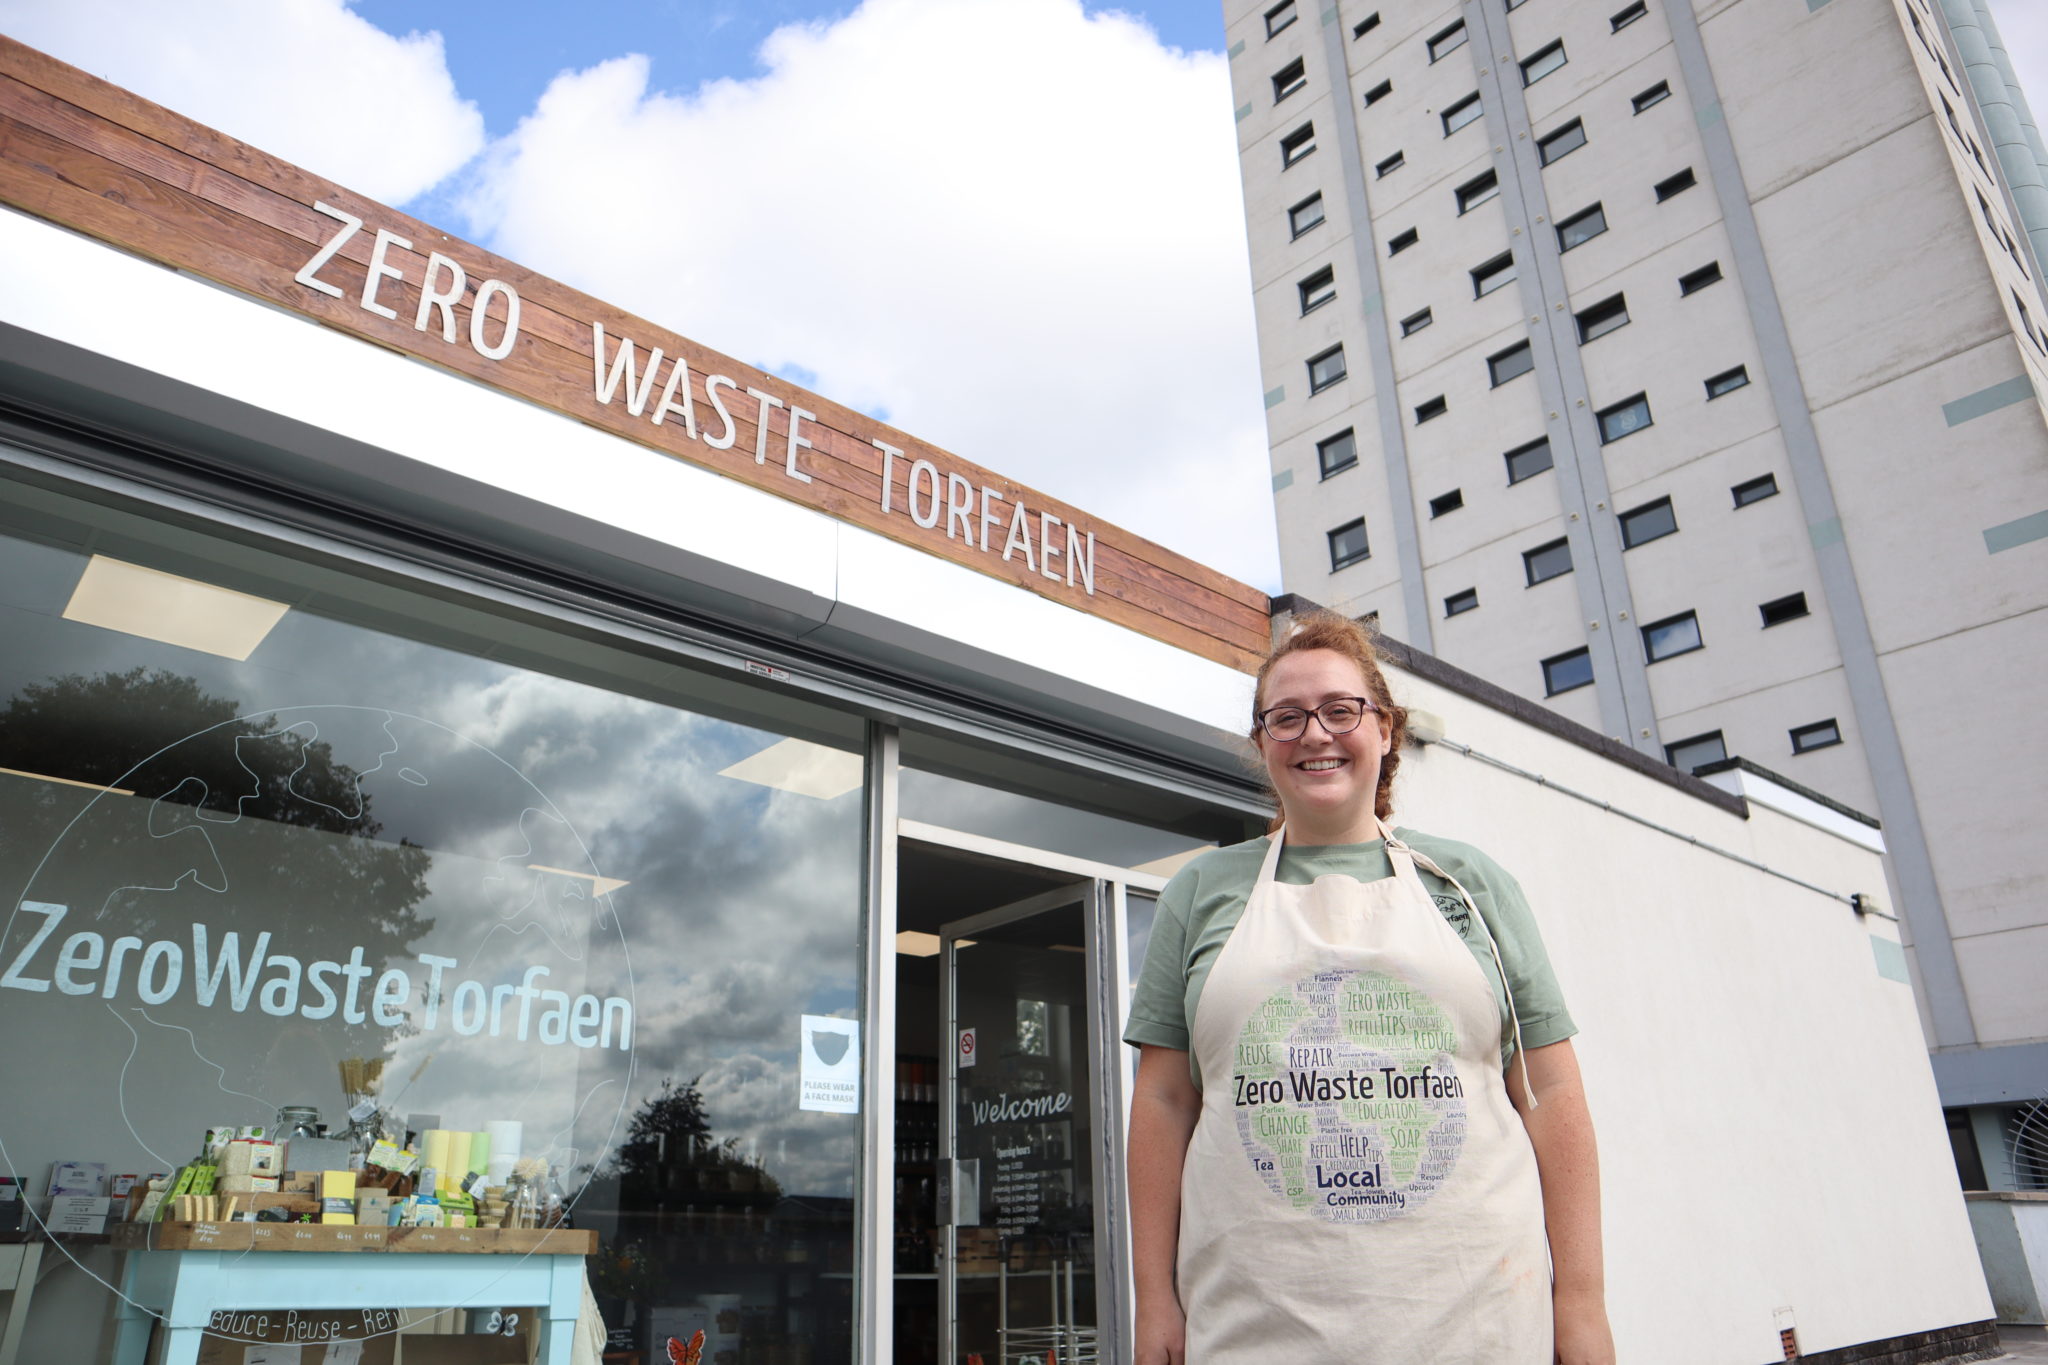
(1671, 637)
(1415, 322)
(1279, 17)
(1365, 25)
(1347, 545)
(1297, 145)
(1378, 93)
(1625, 418)
(1514, 4)
(1431, 410)
(1755, 490)
(1335, 454)
(1651, 521)
(1477, 191)
(1459, 602)
(1289, 78)
(1512, 363)
(1728, 381)
(1492, 275)
(1676, 184)
(1622, 19)
(1608, 315)
(1780, 610)
(1446, 502)
(1389, 166)
(1305, 215)
(1401, 241)
(1695, 280)
(1526, 462)
(1562, 143)
(1697, 752)
(1546, 562)
(1563, 672)
(1652, 97)
(1446, 42)
(1581, 227)
(1822, 734)
(1326, 369)
(1318, 289)
(1542, 62)
(1462, 113)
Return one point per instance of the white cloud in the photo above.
(1013, 228)
(306, 80)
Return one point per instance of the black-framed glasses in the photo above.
(1337, 716)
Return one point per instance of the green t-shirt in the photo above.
(1203, 902)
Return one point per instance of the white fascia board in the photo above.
(891, 580)
(74, 290)
(1785, 801)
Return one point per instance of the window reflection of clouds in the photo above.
(740, 913)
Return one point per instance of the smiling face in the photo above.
(1327, 783)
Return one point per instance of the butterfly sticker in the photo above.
(693, 1354)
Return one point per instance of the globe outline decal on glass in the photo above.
(1338, 1117)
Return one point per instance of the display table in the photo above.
(184, 1273)
(19, 1262)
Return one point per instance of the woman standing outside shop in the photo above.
(1358, 1123)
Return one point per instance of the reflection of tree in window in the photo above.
(1034, 1032)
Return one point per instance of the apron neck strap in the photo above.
(1400, 856)
(1270, 868)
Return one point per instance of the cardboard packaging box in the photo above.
(374, 1331)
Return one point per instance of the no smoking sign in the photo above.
(967, 1047)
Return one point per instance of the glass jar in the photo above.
(297, 1121)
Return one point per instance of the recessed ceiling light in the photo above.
(911, 943)
(1172, 862)
(171, 609)
(797, 765)
(67, 782)
(599, 886)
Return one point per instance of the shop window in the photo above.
(1492, 275)
(1526, 462)
(1318, 289)
(1415, 322)
(1564, 672)
(1477, 191)
(1625, 418)
(1432, 409)
(1290, 78)
(1697, 752)
(1460, 602)
(1326, 369)
(1608, 315)
(1621, 19)
(1347, 545)
(1672, 186)
(1378, 93)
(1305, 215)
(1297, 144)
(1581, 228)
(1512, 363)
(1755, 490)
(1727, 382)
(379, 847)
(1365, 26)
(1335, 454)
(1695, 280)
(1542, 62)
(1382, 169)
(1546, 562)
(1651, 521)
(1446, 502)
(1779, 610)
(1466, 110)
(1562, 143)
(1279, 17)
(1401, 241)
(1671, 637)
(1652, 97)
(1822, 734)
(1447, 42)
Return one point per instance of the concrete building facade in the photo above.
(1677, 364)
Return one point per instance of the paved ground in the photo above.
(2024, 1343)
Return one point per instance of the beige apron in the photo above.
(1358, 1187)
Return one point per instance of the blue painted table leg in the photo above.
(564, 1307)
